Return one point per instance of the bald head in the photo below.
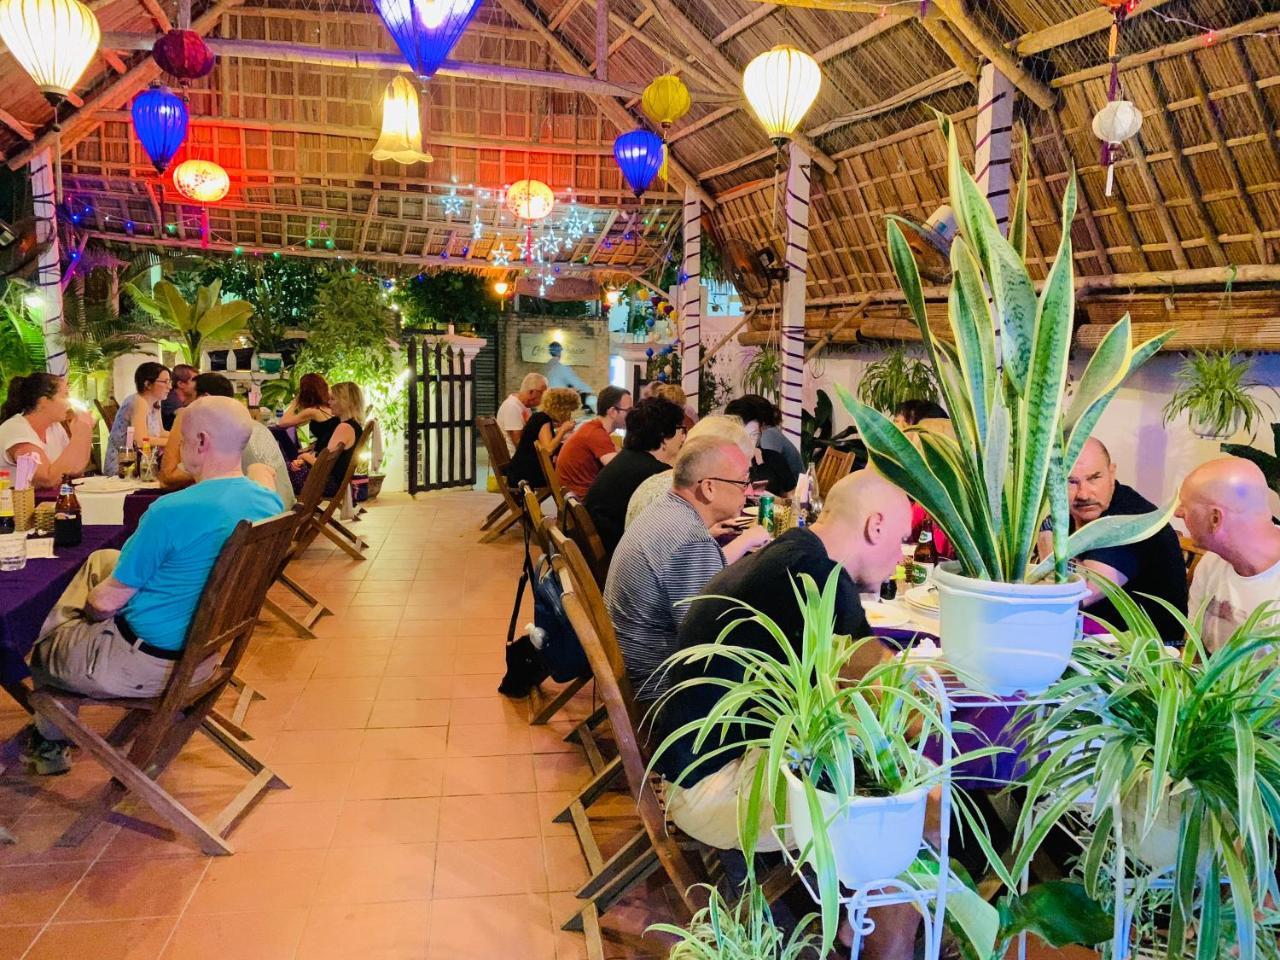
(864, 521)
(214, 433)
(1231, 483)
(1226, 506)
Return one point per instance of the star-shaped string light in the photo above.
(501, 255)
(477, 228)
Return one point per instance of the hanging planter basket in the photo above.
(1215, 431)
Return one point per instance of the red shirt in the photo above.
(579, 460)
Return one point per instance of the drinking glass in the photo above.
(13, 551)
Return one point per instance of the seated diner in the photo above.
(37, 418)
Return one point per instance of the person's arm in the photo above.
(107, 599)
(71, 461)
(1116, 576)
(749, 540)
(293, 416)
(172, 476)
(261, 474)
(342, 438)
(138, 419)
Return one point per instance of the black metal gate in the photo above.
(441, 433)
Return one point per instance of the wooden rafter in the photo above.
(953, 47)
(1082, 25)
(157, 14)
(25, 130)
(930, 11)
(993, 49)
(1086, 208)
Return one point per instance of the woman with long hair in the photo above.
(549, 425)
(35, 419)
(339, 432)
(140, 410)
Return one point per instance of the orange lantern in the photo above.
(201, 180)
(530, 199)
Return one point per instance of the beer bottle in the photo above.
(926, 555)
(67, 529)
(7, 524)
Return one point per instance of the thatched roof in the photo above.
(1200, 189)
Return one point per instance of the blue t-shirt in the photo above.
(170, 555)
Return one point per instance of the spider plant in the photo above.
(744, 931)
(844, 737)
(1214, 393)
(894, 378)
(764, 374)
(1003, 376)
(1182, 744)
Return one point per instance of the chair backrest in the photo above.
(833, 465)
(1191, 554)
(107, 411)
(495, 444)
(534, 518)
(577, 523)
(353, 465)
(308, 501)
(549, 471)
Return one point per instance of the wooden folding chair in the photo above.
(324, 519)
(1191, 554)
(495, 445)
(107, 411)
(578, 525)
(153, 730)
(833, 465)
(553, 477)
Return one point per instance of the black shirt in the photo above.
(524, 463)
(774, 471)
(611, 491)
(1153, 566)
(764, 580)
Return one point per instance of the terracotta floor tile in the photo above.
(334, 667)
(377, 874)
(418, 664)
(482, 928)
(310, 782)
(567, 771)
(287, 826)
(312, 746)
(550, 738)
(369, 931)
(488, 739)
(38, 834)
(326, 714)
(415, 688)
(104, 940)
(32, 892)
(488, 775)
(476, 868)
(276, 880)
(493, 817)
(343, 688)
(494, 708)
(367, 640)
(490, 625)
(409, 713)
(470, 686)
(121, 889)
(15, 940)
(390, 779)
(565, 865)
(489, 662)
(260, 935)
(142, 836)
(404, 743)
(368, 823)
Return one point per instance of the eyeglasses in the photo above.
(740, 484)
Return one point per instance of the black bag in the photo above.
(525, 669)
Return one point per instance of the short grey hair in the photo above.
(723, 427)
(698, 459)
(533, 381)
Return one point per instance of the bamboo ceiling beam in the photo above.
(1082, 25)
(617, 114)
(952, 46)
(695, 71)
(743, 23)
(564, 13)
(602, 39)
(853, 6)
(993, 49)
(25, 130)
(1158, 206)
(1260, 106)
(1086, 208)
(112, 59)
(157, 14)
(75, 127)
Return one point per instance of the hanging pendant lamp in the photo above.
(529, 200)
(201, 180)
(781, 85)
(426, 30)
(160, 122)
(183, 55)
(640, 155)
(666, 99)
(401, 138)
(53, 40)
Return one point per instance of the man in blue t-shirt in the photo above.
(122, 622)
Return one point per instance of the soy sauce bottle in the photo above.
(67, 527)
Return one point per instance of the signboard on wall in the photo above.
(578, 351)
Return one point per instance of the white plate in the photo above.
(880, 615)
(751, 511)
(105, 485)
(923, 596)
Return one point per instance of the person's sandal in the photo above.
(50, 758)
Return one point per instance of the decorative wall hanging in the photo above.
(183, 55)
(781, 85)
(426, 30)
(160, 122)
(640, 155)
(53, 40)
(401, 138)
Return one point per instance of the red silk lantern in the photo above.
(183, 54)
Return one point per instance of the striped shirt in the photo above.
(665, 556)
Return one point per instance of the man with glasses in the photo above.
(668, 554)
(182, 392)
(591, 445)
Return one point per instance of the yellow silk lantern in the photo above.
(665, 100)
(53, 40)
(401, 138)
(781, 85)
(530, 199)
(201, 180)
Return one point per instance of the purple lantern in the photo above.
(639, 155)
(426, 30)
(160, 121)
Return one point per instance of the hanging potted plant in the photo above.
(895, 378)
(1213, 390)
(1172, 758)
(1006, 621)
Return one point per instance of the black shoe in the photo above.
(50, 758)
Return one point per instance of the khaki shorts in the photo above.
(708, 811)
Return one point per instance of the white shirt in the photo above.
(17, 430)
(559, 374)
(1230, 598)
(511, 416)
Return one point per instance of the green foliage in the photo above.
(714, 391)
(352, 338)
(94, 329)
(21, 338)
(207, 318)
(894, 378)
(1214, 393)
(665, 365)
(281, 290)
(459, 297)
(1016, 437)
(743, 932)
(1166, 738)
(1268, 463)
(817, 432)
(763, 375)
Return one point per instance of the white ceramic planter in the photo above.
(874, 838)
(1157, 849)
(1007, 637)
(1207, 432)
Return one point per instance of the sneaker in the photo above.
(49, 757)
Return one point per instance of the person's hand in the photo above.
(753, 538)
(81, 425)
(296, 464)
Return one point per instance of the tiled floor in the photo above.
(419, 820)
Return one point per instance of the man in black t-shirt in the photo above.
(1153, 567)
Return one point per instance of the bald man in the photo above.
(122, 622)
(1146, 569)
(1226, 506)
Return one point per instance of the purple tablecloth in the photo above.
(135, 504)
(27, 596)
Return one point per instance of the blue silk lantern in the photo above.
(426, 30)
(639, 155)
(160, 121)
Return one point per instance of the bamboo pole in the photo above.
(993, 49)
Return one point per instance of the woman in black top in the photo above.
(655, 433)
(767, 466)
(337, 432)
(550, 424)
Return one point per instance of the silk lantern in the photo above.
(781, 85)
(426, 30)
(530, 199)
(500, 287)
(1115, 123)
(183, 55)
(639, 154)
(53, 40)
(666, 99)
(201, 180)
(160, 122)
(401, 138)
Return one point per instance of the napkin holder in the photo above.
(24, 505)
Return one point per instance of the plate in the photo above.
(923, 597)
(751, 511)
(105, 485)
(881, 615)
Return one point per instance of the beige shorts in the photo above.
(708, 811)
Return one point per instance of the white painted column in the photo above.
(689, 298)
(993, 150)
(49, 272)
(796, 259)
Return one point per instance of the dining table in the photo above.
(136, 502)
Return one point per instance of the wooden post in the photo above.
(602, 39)
(48, 274)
(993, 147)
(689, 298)
(796, 258)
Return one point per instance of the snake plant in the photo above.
(1002, 373)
